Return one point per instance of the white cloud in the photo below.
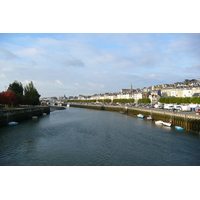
(76, 84)
(8, 55)
(7, 69)
(151, 75)
(29, 52)
(58, 82)
(25, 82)
(2, 76)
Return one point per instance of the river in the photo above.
(84, 137)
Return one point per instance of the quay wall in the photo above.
(20, 114)
(187, 121)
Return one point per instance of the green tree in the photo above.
(186, 81)
(18, 89)
(146, 100)
(31, 94)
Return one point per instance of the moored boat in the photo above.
(12, 123)
(140, 116)
(123, 112)
(159, 122)
(149, 117)
(167, 124)
(34, 117)
(179, 127)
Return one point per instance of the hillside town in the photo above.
(187, 88)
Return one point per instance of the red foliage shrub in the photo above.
(9, 97)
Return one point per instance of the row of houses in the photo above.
(153, 93)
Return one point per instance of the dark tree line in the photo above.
(17, 94)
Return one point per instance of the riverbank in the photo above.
(20, 114)
(189, 121)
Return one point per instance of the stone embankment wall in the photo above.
(187, 121)
(20, 114)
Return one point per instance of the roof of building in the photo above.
(196, 95)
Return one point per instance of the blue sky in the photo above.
(90, 63)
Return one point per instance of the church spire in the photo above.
(131, 89)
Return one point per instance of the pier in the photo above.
(187, 120)
(20, 114)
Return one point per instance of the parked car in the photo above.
(178, 108)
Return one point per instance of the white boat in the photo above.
(12, 123)
(167, 124)
(159, 122)
(149, 117)
(34, 117)
(140, 115)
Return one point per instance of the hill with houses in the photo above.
(187, 88)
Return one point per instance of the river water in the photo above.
(84, 137)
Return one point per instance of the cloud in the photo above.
(195, 67)
(31, 52)
(2, 75)
(151, 75)
(8, 55)
(7, 69)
(58, 82)
(33, 63)
(74, 62)
(76, 84)
(25, 82)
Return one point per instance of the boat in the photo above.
(34, 117)
(179, 127)
(167, 124)
(159, 122)
(149, 117)
(140, 115)
(12, 123)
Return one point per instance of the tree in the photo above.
(9, 97)
(186, 81)
(2, 98)
(31, 94)
(146, 100)
(18, 89)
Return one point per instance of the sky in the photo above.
(91, 63)
(91, 47)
